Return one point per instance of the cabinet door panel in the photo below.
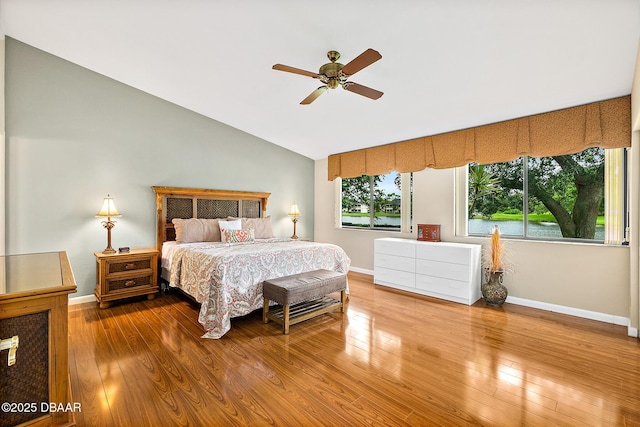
(395, 262)
(26, 382)
(445, 270)
(385, 276)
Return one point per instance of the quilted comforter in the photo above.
(226, 279)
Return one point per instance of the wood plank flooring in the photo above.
(391, 359)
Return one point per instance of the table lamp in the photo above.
(294, 213)
(108, 210)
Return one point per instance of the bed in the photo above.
(221, 268)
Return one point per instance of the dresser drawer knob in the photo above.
(129, 283)
(130, 266)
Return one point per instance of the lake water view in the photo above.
(515, 228)
(481, 226)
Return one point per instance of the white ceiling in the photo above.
(445, 65)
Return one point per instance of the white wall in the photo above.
(634, 202)
(74, 135)
(589, 277)
(2, 147)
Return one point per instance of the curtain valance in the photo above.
(605, 124)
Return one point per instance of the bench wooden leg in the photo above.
(343, 299)
(285, 319)
(265, 310)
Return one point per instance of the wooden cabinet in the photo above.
(125, 275)
(444, 270)
(34, 292)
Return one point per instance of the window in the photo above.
(380, 202)
(576, 196)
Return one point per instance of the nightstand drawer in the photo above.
(116, 266)
(128, 282)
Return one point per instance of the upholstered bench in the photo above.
(303, 296)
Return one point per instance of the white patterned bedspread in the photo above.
(226, 279)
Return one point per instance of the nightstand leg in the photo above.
(104, 304)
(151, 296)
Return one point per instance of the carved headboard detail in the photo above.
(178, 202)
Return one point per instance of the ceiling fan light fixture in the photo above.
(333, 75)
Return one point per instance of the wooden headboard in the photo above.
(178, 202)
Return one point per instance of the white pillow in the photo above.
(236, 224)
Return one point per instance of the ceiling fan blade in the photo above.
(294, 70)
(363, 90)
(316, 93)
(365, 59)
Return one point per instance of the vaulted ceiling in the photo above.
(445, 65)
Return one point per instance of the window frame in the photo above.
(406, 214)
(622, 219)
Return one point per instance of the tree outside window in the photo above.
(541, 197)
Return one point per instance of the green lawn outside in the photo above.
(532, 218)
(390, 215)
(495, 217)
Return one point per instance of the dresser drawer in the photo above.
(444, 287)
(387, 276)
(395, 262)
(399, 247)
(446, 270)
(442, 252)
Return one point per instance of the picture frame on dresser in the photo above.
(429, 232)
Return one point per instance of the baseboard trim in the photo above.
(82, 299)
(361, 270)
(585, 314)
(578, 312)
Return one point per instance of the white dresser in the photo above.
(450, 271)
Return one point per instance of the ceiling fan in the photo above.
(334, 74)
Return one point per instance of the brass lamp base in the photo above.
(109, 225)
(295, 220)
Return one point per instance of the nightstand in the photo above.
(125, 275)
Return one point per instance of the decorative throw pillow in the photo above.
(237, 236)
(192, 230)
(235, 224)
(261, 226)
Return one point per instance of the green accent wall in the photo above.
(73, 136)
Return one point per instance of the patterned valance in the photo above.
(605, 124)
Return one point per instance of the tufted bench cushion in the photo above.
(303, 296)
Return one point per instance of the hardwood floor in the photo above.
(391, 359)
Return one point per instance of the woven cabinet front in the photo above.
(25, 385)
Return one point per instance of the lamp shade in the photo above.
(108, 208)
(294, 211)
